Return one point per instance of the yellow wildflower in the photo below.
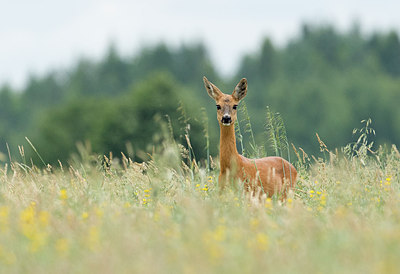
(85, 215)
(27, 216)
(219, 233)
(30, 229)
(254, 223)
(323, 199)
(4, 212)
(289, 202)
(93, 239)
(63, 194)
(268, 203)
(261, 241)
(99, 212)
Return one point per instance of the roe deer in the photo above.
(274, 175)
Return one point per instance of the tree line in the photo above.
(322, 80)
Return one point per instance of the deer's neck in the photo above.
(228, 153)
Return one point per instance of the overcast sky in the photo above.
(38, 36)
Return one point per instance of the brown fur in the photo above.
(273, 174)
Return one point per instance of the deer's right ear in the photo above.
(212, 90)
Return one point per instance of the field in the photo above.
(101, 215)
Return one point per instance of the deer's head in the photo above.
(226, 103)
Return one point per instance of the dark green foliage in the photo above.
(115, 125)
(8, 115)
(327, 82)
(387, 49)
(62, 128)
(136, 118)
(322, 81)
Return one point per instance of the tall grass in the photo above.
(276, 134)
(256, 150)
(207, 137)
(111, 215)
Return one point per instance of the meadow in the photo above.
(167, 215)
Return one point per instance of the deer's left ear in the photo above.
(240, 90)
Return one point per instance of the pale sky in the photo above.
(38, 36)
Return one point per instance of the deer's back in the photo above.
(275, 173)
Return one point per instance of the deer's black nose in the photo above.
(226, 119)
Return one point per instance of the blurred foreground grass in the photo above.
(164, 217)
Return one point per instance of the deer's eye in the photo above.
(218, 107)
(234, 106)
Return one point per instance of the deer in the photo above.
(274, 175)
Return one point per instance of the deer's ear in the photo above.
(212, 90)
(240, 90)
